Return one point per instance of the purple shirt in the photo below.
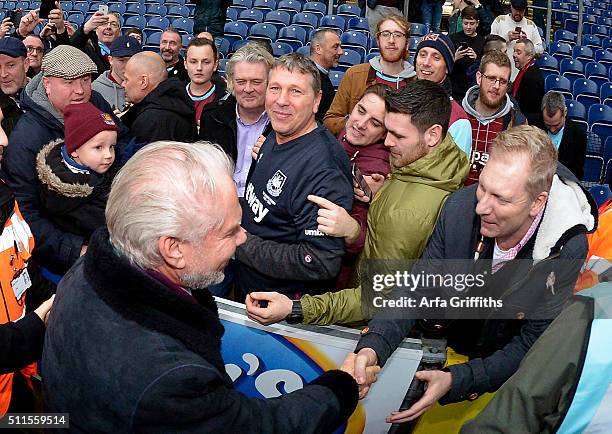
(247, 136)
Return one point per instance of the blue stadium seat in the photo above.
(80, 7)
(224, 47)
(591, 41)
(239, 43)
(548, 64)
(600, 120)
(601, 193)
(252, 16)
(558, 83)
(157, 23)
(358, 25)
(153, 40)
(178, 11)
(577, 112)
(65, 5)
(175, 2)
(596, 72)
(371, 55)
(605, 94)
(134, 9)
(304, 19)
(232, 14)
(76, 18)
(263, 31)
(94, 6)
(186, 39)
(599, 30)
(222, 65)
(565, 36)
(265, 5)
(336, 77)
(413, 43)
(304, 51)
(333, 22)
(350, 57)
(572, 69)
(117, 7)
(317, 8)
(417, 29)
(594, 144)
(560, 50)
(581, 52)
(278, 17)
(235, 31)
(349, 10)
(291, 6)
(24, 5)
(604, 56)
(183, 25)
(606, 43)
(593, 169)
(607, 151)
(135, 21)
(293, 35)
(356, 41)
(242, 4)
(586, 91)
(156, 11)
(281, 48)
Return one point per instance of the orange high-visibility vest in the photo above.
(16, 245)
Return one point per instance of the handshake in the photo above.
(363, 368)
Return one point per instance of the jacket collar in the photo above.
(137, 296)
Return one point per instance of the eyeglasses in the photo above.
(35, 50)
(113, 24)
(493, 80)
(387, 34)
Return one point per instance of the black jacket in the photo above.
(179, 71)
(55, 249)
(496, 345)
(167, 113)
(218, 125)
(89, 45)
(328, 95)
(149, 360)
(530, 93)
(11, 111)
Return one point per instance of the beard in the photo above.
(488, 102)
(195, 280)
(393, 56)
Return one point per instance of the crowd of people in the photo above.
(150, 182)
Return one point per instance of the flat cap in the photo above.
(67, 62)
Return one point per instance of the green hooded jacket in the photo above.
(209, 16)
(401, 220)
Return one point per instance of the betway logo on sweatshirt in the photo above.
(258, 208)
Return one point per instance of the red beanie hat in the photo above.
(82, 122)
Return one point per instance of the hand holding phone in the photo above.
(103, 9)
(46, 6)
(360, 181)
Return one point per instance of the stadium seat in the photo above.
(572, 69)
(349, 10)
(93, 6)
(232, 14)
(153, 40)
(183, 25)
(65, 5)
(304, 19)
(594, 144)
(222, 64)
(413, 43)
(292, 35)
(593, 169)
(560, 50)
(156, 23)
(134, 9)
(156, 11)
(605, 57)
(332, 22)
(265, 5)
(577, 112)
(251, 16)
(356, 41)
(317, 8)
(80, 7)
(134, 21)
(281, 18)
(263, 31)
(239, 43)
(417, 29)
(235, 31)
(599, 30)
(358, 25)
(281, 48)
(607, 149)
(605, 94)
(336, 77)
(596, 72)
(291, 6)
(178, 11)
(304, 51)
(606, 44)
(601, 193)
(558, 83)
(371, 55)
(350, 57)
(600, 120)
(581, 52)
(591, 41)
(586, 92)
(548, 64)
(186, 39)
(565, 36)
(224, 47)
(78, 18)
(117, 7)
(242, 4)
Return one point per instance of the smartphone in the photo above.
(15, 17)
(361, 182)
(463, 46)
(46, 6)
(103, 9)
(517, 30)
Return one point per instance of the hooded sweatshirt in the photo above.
(486, 128)
(401, 220)
(353, 85)
(166, 113)
(112, 92)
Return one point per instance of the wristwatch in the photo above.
(296, 316)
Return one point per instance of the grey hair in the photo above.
(552, 102)
(529, 47)
(253, 52)
(303, 64)
(318, 37)
(165, 189)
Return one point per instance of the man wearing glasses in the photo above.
(389, 68)
(489, 109)
(35, 48)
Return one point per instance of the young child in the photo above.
(75, 174)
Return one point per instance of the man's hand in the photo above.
(257, 146)
(513, 36)
(363, 367)
(56, 17)
(375, 181)
(279, 307)
(44, 309)
(83, 250)
(98, 19)
(438, 385)
(5, 27)
(28, 22)
(470, 53)
(460, 54)
(334, 221)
